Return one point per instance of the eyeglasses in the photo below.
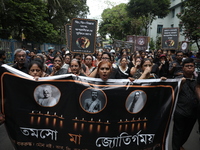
(105, 58)
(147, 65)
(189, 66)
(179, 55)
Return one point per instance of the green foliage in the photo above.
(117, 24)
(39, 20)
(147, 10)
(152, 44)
(190, 21)
(158, 42)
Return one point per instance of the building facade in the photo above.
(170, 21)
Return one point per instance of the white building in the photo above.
(171, 20)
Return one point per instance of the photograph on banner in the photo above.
(68, 34)
(47, 95)
(141, 43)
(83, 36)
(93, 100)
(170, 38)
(136, 101)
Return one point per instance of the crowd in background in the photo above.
(110, 64)
(136, 65)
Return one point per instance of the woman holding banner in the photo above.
(106, 56)
(146, 65)
(75, 67)
(104, 70)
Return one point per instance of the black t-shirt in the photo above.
(23, 69)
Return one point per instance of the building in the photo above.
(171, 20)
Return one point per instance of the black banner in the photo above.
(129, 46)
(71, 112)
(141, 43)
(99, 42)
(83, 38)
(131, 38)
(170, 38)
(118, 45)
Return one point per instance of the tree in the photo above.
(190, 21)
(147, 10)
(152, 44)
(39, 20)
(60, 12)
(116, 23)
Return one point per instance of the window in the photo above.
(159, 28)
(172, 25)
(173, 13)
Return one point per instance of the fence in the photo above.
(11, 45)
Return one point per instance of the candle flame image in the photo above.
(120, 128)
(132, 127)
(91, 128)
(54, 122)
(126, 126)
(47, 121)
(38, 120)
(32, 119)
(145, 125)
(138, 126)
(98, 128)
(106, 130)
(61, 123)
(75, 125)
(82, 126)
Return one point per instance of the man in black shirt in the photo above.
(175, 67)
(21, 62)
(185, 114)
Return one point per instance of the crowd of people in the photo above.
(110, 64)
